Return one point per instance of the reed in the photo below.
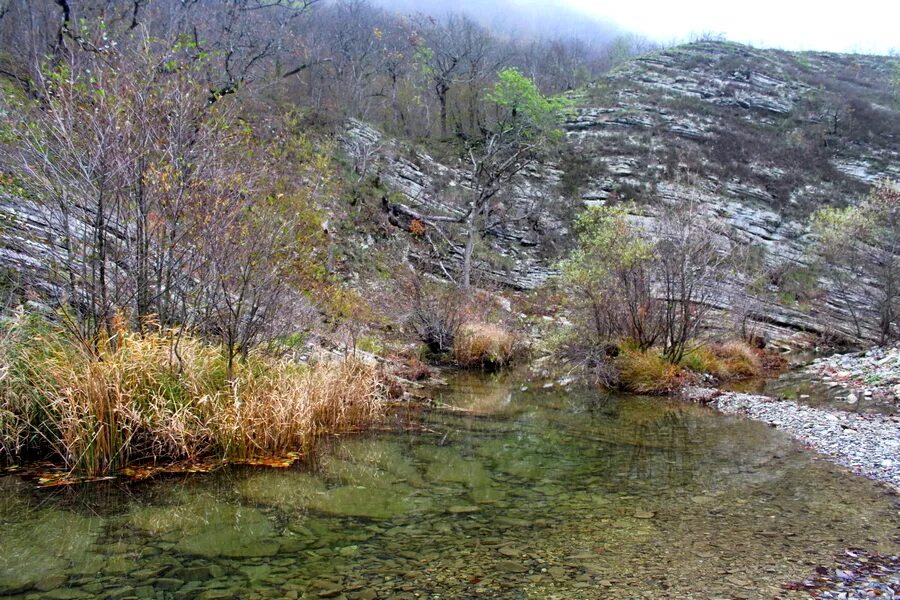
(163, 397)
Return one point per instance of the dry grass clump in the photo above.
(740, 359)
(649, 373)
(485, 345)
(732, 360)
(287, 407)
(163, 397)
(704, 360)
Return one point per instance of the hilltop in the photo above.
(757, 138)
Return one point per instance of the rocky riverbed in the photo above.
(873, 375)
(867, 444)
(857, 574)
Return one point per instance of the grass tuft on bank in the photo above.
(483, 345)
(624, 365)
(159, 397)
(647, 372)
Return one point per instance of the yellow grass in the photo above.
(485, 345)
(704, 360)
(649, 373)
(741, 360)
(158, 397)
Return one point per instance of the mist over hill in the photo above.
(518, 18)
(399, 110)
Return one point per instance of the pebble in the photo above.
(874, 373)
(862, 576)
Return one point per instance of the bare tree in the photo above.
(651, 286)
(523, 125)
(690, 267)
(859, 247)
(442, 50)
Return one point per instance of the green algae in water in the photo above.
(287, 490)
(369, 486)
(534, 495)
(206, 526)
(385, 455)
(42, 545)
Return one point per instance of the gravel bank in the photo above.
(871, 374)
(867, 444)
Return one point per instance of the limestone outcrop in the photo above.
(757, 139)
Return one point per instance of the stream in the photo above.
(510, 492)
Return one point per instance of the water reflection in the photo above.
(514, 494)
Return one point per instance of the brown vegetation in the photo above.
(648, 372)
(484, 345)
(163, 396)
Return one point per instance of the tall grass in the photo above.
(704, 359)
(740, 360)
(648, 372)
(730, 360)
(164, 397)
(484, 345)
(287, 407)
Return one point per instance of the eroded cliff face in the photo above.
(758, 139)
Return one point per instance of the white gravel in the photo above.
(867, 444)
(874, 373)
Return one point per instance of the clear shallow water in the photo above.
(534, 494)
(797, 386)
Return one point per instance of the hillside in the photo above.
(757, 138)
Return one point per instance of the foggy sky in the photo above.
(867, 26)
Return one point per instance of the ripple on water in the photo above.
(534, 494)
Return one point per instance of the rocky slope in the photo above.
(756, 138)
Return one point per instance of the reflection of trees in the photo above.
(669, 459)
(643, 439)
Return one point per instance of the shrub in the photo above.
(437, 311)
(595, 362)
(653, 286)
(485, 345)
(649, 372)
(411, 368)
(740, 359)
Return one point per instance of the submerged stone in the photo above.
(205, 526)
(237, 532)
(359, 501)
(445, 465)
(288, 490)
(366, 488)
(42, 548)
(387, 456)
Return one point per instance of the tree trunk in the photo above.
(442, 100)
(466, 279)
(100, 308)
(143, 250)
